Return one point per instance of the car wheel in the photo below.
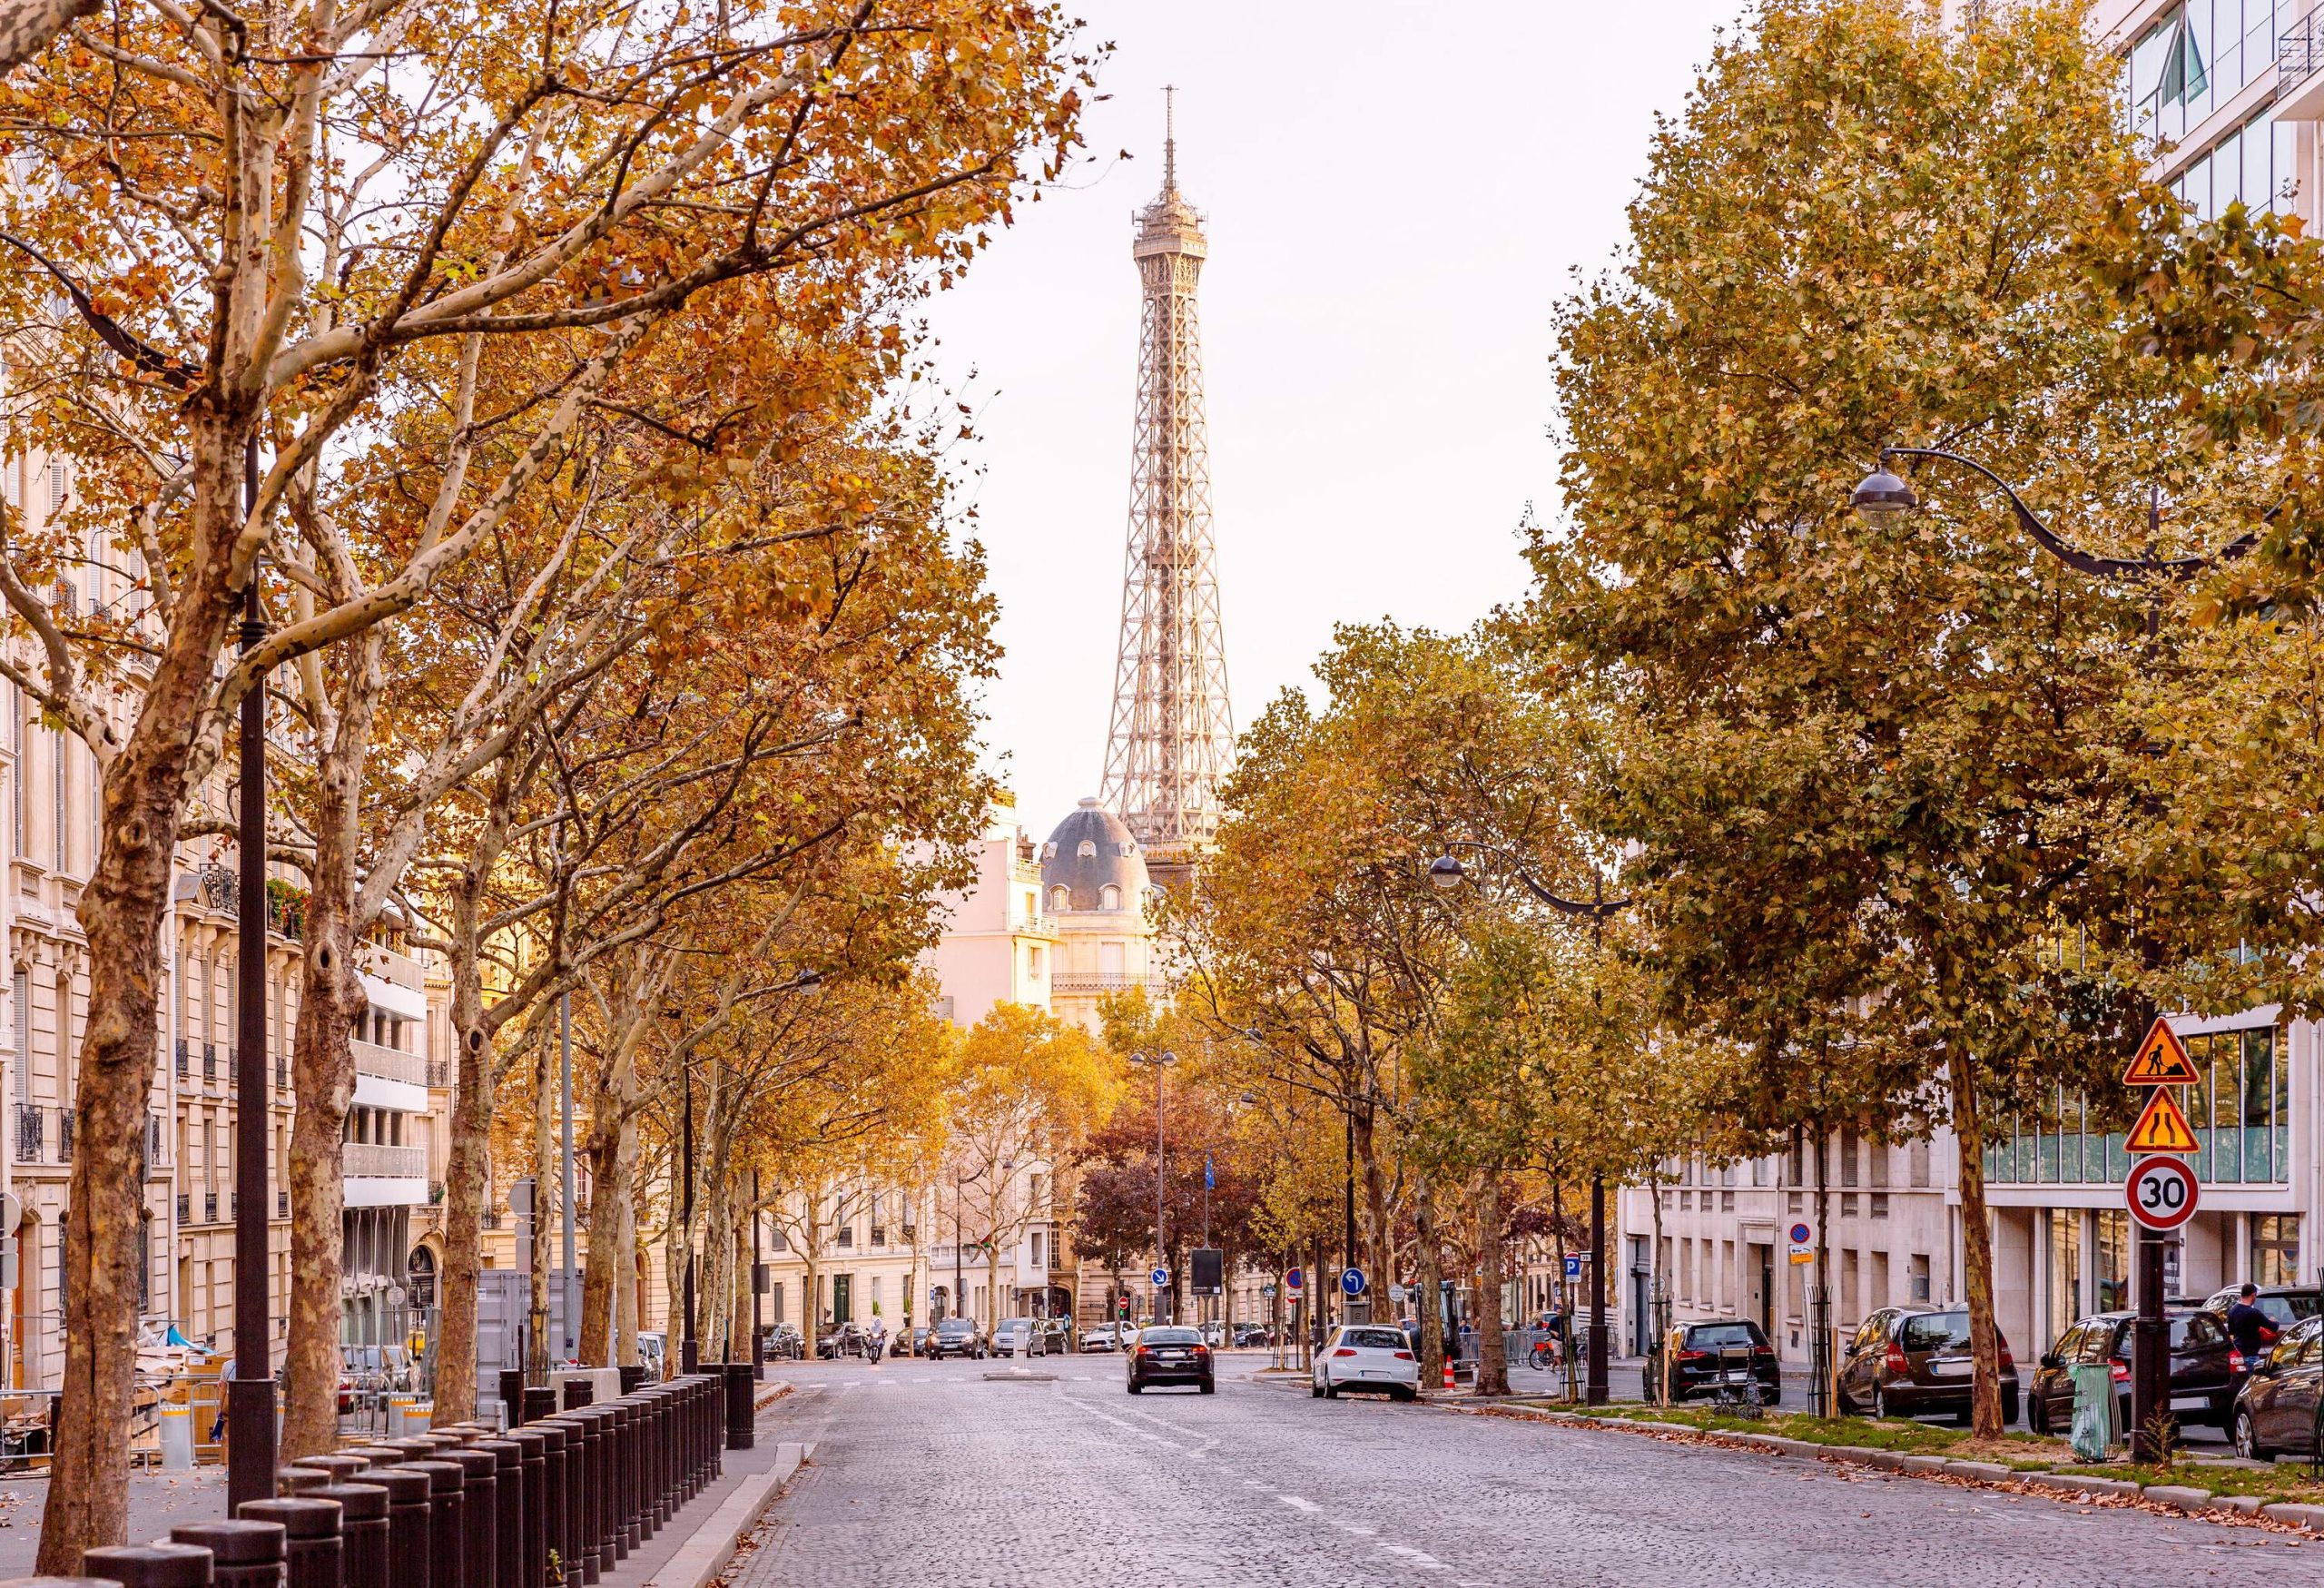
(2037, 1417)
(1135, 1387)
(1209, 1387)
(2247, 1437)
(2008, 1410)
(1879, 1402)
(1401, 1394)
(1331, 1390)
(1315, 1389)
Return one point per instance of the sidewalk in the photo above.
(158, 1500)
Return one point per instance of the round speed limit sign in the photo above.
(2161, 1192)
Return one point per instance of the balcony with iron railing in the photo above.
(392, 966)
(389, 1063)
(1101, 981)
(2300, 70)
(377, 1158)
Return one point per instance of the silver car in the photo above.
(1020, 1336)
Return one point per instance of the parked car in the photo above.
(784, 1343)
(1913, 1362)
(1171, 1353)
(1249, 1334)
(1214, 1335)
(957, 1336)
(2281, 1406)
(847, 1340)
(1020, 1336)
(1694, 1349)
(2285, 1306)
(1100, 1338)
(917, 1345)
(1365, 1357)
(2202, 1382)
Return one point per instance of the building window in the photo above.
(1061, 898)
(2275, 1248)
(1085, 849)
(1917, 1277)
(1109, 897)
(1033, 961)
(1037, 1249)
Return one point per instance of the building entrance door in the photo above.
(1762, 1309)
(842, 1301)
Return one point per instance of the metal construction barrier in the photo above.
(558, 1501)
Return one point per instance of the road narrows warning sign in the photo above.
(2162, 1060)
(2162, 1128)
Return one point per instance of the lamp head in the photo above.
(1882, 497)
(1444, 874)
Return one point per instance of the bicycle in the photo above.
(1544, 1354)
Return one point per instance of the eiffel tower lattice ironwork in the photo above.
(1172, 736)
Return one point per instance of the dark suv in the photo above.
(2282, 1403)
(1698, 1354)
(957, 1336)
(1913, 1362)
(2202, 1386)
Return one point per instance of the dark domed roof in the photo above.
(1089, 850)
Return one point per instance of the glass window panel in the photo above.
(2227, 172)
(2065, 1268)
(2279, 1114)
(2259, 143)
(2198, 187)
(2258, 1105)
(2109, 1254)
(2227, 1115)
(2285, 168)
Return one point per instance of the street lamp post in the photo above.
(1161, 1063)
(250, 1419)
(690, 1353)
(1446, 874)
(1880, 498)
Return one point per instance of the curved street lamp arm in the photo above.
(1582, 909)
(2073, 557)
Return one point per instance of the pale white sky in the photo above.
(1396, 192)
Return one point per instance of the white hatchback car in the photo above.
(1366, 1356)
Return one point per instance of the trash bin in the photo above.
(2094, 1431)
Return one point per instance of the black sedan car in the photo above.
(1699, 1353)
(1171, 1353)
(1913, 1362)
(2281, 1407)
(957, 1336)
(2202, 1385)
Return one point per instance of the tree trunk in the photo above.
(121, 912)
(602, 1270)
(548, 1181)
(1374, 1233)
(467, 1171)
(629, 1282)
(1493, 1356)
(323, 1067)
(1977, 1253)
(1430, 1268)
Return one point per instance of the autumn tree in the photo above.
(227, 296)
(1873, 761)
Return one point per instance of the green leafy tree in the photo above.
(1872, 766)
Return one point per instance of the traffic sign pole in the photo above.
(2162, 1062)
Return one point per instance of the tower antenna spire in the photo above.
(1169, 138)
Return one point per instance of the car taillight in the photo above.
(1894, 1359)
(1145, 1350)
(1202, 1350)
(2006, 1359)
(1344, 1351)
(1766, 1351)
(1694, 1355)
(2121, 1370)
(2234, 1361)
(1404, 1356)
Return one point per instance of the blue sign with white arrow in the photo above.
(1352, 1281)
(1161, 1277)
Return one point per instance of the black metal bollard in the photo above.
(626, 1450)
(532, 1465)
(362, 1533)
(554, 1556)
(579, 1391)
(376, 1455)
(341, 1466)
(567, 1473)
(479, 1520)
(407, 1493)
(508, 1508)
(512, 1394)
(447, 1565)
(633, 1377)
(414, 1448)
(61, 1582)
(149, 1566)
(540, 1401)
(311, 1555)
(598, 1452)
(291, 1482)
(242, 1554)
(742, 1409)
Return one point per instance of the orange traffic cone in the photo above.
(1448, 1373)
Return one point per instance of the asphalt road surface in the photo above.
(974, 1474)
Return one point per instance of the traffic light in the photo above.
(1121, 1308)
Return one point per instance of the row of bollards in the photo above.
(553, 1502)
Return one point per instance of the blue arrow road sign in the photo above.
(1352, 1281)
(1161, 1277)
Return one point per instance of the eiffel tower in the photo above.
(1172, 737)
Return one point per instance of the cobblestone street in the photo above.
(971, 1475)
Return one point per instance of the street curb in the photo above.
(2228, 1510)
(700, 1560)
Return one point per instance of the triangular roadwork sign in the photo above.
(2162, 1128)
(2162, 1060)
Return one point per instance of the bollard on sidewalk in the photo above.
(149, 1566)
(242, 1554)
(310, 1550)
(362, 1533)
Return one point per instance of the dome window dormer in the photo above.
(1061, 898)
(1109, 897)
